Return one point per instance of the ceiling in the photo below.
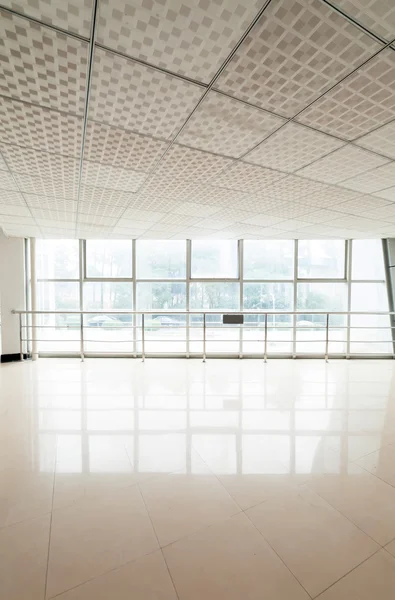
(195, 119)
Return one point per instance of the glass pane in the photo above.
(57, 333)
(268, 296)
(152, 296)
(268, 259)
(367, 259)
(322, 296)
(214, 296)
(223, 339)
(57, 259)
(163, 333)
(321, 259)
(161, 259)
(108, 295)
(109, 258)
(214, 259)
(58, 295)
(369, 297)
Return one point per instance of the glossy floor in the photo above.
(177, 479)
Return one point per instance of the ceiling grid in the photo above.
(197, 119)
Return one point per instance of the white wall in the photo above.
(12, 290)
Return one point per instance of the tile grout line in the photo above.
(50, 521)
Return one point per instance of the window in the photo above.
(268, 296)
(215, 296)
(57, 259)
(214, 259)
(161, 259)
(367, 260)
(163, 296)
(109, 258)
(268, 259)
(321, 259)
(323, 296)
(108, 295)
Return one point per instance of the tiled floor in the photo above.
(177, 479)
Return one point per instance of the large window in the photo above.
(267, 279)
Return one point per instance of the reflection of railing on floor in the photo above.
(335, 333)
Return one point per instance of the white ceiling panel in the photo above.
(41, 164)
(376, 15)
(11, 198)
(387, 194)
(191, 37)
(296, 51)
(127, 94)
(113, 178)
(382, 140)
(357, 205)
(292, 147)
(246, 178)
(226, 126)
(342, 164)
(42, 66)
(60, 188)
(50, 204)
(7, 181)
(73, 15)
(374, 180)
(40, 128)
(195, 209)
(361, 103)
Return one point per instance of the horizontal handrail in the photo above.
(197, 312)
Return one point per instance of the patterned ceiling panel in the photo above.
(41, 164)
(246, 178)
(42, 66)
(74, 16)
(382, 140)
(297, 51)
(190, 37)
(361, 103)
(40, 128)
(225, 126)
(292, 147)
(376, 15)
(34, 184)
(127, 94)
(113, 178)
(7, 181)
(373, 180)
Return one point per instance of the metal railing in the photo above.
(333, 332)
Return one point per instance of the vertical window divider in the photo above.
(240, 256)
(188, 283)
(134, 296)
(349, 277)
(295, 296)
(82, 272)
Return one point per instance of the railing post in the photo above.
(142, 338)
(204, 337)
(265, 355)
(82, 337)
(327, 338)
(20, 337)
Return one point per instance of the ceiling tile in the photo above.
(143, 215)
(73, 15)
(357, 205)
(195, 209)
(11, 198)
(383, 213)
(373, 180)
(226, 126)
(189, 37)
(114, 178)
(387, 194)
(342, 164)
(42, 66)
(7, 181)
(50, 204)
(13, 209)
(40, 128)
(61, 188)
(382, 140)
(292, 147)
(295, 52)
(262, 220)
(3, 166)
(89, 208)
(359, 104)
(376, 15)
(127, 94)
(321, 216)
(216, 197)
(105, 197)
(54, 215)
(120, 148)
(246, 177)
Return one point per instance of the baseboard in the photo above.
(6, 358)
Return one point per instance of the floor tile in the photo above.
(24, 494)
(180, 504)
(372, 580)
(96, 535)
(366, 500)
(230, 561)
(314, 540)
(23, 559)
(146, 578)
(381, 463)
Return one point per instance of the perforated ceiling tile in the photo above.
(61, 188)
(94, 208)
(3, 166)
(292, 147)
(295, 52)
(41, 128)
(192, 37)
(195, 209)
(127, 94)
(382, 140)
(114, 178)
(72, 15)
(342, 164)
(49, 203)
(387, 194)
(13, 209)
(361, 103)
(179, 220)
(320, 216)
(246, 177)
(54, 215)
(227, 126)
(287, 211)
(11, 198)
(143, 215)
(373, 180)
(376, 15)
(357, 205)
(261, 220)
(209, 195)
(7, 181)
(119, 148)
(42, 66)
(383, 213)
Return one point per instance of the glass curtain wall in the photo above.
(169, 276)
